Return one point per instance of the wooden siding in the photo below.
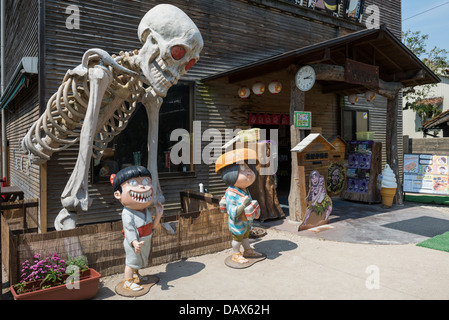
(21, 33)
(21, 41)
(22, 112)
(235, 32)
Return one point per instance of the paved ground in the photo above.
(370, 254)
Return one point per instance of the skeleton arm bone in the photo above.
(153, 103)
(75, 196)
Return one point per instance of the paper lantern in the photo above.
(244, 92)
(258, 88)
(275, 87)
(370, 95)
(353, 98)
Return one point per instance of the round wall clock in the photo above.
(305, 78)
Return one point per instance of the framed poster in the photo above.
(426, 173)
(303, 120)
(328, 5)
(353, 9)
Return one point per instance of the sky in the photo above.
(434, 22)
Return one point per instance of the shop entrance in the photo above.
(283, 174)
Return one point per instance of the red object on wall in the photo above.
(268, 119)
(285, 120)
(276, 119)
(252, 119)
(167, 159)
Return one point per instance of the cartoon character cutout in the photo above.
(238, 171)
(319, 203)
(133, 188)
(336, 178)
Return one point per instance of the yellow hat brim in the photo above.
(234, 156)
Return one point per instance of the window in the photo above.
(354, 121)
(130, 146)
(176, 113)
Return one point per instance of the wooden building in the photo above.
(246, 41)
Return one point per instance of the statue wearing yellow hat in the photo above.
(237, 169)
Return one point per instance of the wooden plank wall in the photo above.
(236, 32)
(21, 41)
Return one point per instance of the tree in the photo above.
(418, 98)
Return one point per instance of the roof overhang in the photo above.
(28, 65)
(377, 47)
(439, 122)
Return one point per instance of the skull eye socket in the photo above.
(178, 52)
(190, 64)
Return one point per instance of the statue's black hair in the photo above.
(128, 173)
(230, 173)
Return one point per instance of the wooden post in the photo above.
(297, 100)
(392, 143)
(43, 200)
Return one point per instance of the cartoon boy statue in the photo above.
(238, 173)
(132, 187)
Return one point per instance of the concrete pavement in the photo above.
(306, 265)
(370, 253)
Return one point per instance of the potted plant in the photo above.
(53, 278)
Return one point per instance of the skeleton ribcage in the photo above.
(60, 125)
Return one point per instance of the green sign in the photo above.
(303, 120)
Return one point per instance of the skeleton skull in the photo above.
(171, 46)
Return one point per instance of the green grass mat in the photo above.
(440, 242)
(427, 199)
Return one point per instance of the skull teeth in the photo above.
(164, 75)
(141, 196)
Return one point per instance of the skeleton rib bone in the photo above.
(96, 100)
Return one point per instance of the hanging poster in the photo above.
(303, 120)
(353, 8)
(426, 173)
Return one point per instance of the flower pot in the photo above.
(85, 288)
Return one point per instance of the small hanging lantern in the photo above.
(353, 98)
(244, 92)
(258, 88)
(275, 87)
(370, 95)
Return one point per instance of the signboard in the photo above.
(426, 173)
(303, 120)
(361, 73)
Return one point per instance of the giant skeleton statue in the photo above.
(97, 98)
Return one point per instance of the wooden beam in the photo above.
(297, 196)
(327, 72)
(43, 222)
(392, 143)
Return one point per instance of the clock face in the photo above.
(305, 78)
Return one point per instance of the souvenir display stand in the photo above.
(364, 166)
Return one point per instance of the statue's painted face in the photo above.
(137, 193)
(246, 177)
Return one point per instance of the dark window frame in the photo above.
(97, 179)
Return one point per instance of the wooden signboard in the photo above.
(313, 155)
(361, 73)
